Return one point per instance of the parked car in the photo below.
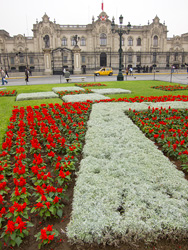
(104, 72)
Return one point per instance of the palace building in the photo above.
(83, 48)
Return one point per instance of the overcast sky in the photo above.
(18, 16)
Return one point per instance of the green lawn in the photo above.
(138, 88)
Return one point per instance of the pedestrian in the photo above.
(30, 72)
(64, 71)
(67, 75)
(131, 71)
(3, 75)
(26, 75)
(6, 73)
(127, 71)
(172, 69)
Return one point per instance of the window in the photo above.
(154, 57)
(31, 60)
(12, 60)
(83, 59)
(139, 41)
(138, 59)
(65, 59)
(168, 58)
(21, 59)
(83, 41)
(176, 56)
(130, 58)
(130, 41)
(64, 41)
(73, 42)
(103, 39)
(155, 41)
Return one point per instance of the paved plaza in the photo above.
(181, 78)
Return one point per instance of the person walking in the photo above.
(3, 75)
(26, 76)
(67, 75)
(131, 71)
(6, 73)
(127, 71)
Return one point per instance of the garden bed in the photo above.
(100, 120)
(127, 190)
(36, 96)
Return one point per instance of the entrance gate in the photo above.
(62, 58)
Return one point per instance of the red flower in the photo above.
(10, 227)
(2, 211)
(50, 238)
(17, 193)
(48, 204)
(49, 228)
(1, 199)
(61, 174)
(43, 235)
(21, 226)
(23, 190)
(39, 205)
(43, 198)
(52, 154)
(56, 200)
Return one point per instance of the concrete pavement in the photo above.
(180, 78)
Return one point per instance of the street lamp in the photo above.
(120, 31)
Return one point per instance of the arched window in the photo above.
(130, 58)
(130, 41)
(64, 41)
(176, 56)
(155, 41)
(103, 39)
(139, 41)
(83, 41)
(73, 42)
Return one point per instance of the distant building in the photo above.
(54, 47)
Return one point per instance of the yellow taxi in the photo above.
(104, 72)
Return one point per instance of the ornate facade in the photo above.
(88, 47)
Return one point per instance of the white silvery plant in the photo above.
(110, 91)
(126, 188)
(59, 89)
(36, 96)
(84, 97)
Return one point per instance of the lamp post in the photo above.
(120, 32)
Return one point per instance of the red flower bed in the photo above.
(89, 84)
(167, 127)
(75, 92)
(170, 87)
(42, 148)
(8, 93)
(40, 151)
(139, 99)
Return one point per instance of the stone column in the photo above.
(47, 61)
(77, 60)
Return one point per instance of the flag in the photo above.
(102, 6)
